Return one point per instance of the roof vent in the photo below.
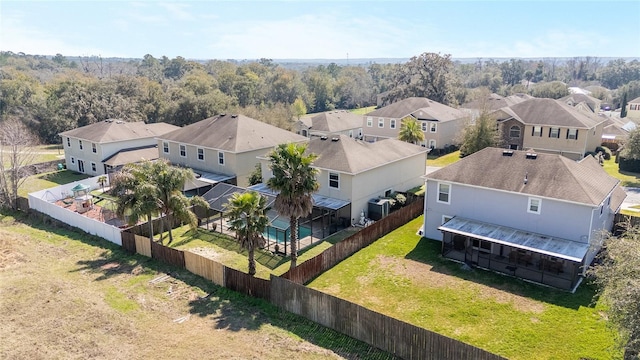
(234, 116)
(532, 156)
(223, 114)
(108, 120)
(507, 152)
(335, 138)
(323, 137)
(119, 122)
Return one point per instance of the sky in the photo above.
(322, 29)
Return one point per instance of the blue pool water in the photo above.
(273, 234)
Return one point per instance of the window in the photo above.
(80, 144)
(201, 154)
(424, 125)
(444, 193)
(220, 158)
(554, 133)
(534, 206)
(68, 142)
(392, 123)
(183, 150)
(380, 122)
(572, 134)
(369, 121)
(446, 218)
(73, 160)
(93, 167)
(165, 147)
(514, 131)
(481, 245)
(433, 127)
(432, 144)
(536, 131)
(360, 133)
(334, 180)
(94, 148)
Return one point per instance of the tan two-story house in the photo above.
(440, 123)
(633, 109)
(549, 126)
(335, 122)
(223, 147)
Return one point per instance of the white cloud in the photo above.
(177, 10)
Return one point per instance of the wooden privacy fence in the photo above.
(622, 221)
(397, 337)
(347, 247)
(205, 267)
(249, 285)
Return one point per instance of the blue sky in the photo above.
(321, 29)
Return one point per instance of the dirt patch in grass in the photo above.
(422, 275)
(9, 255)
(206, 252)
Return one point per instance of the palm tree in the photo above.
(410, 131)
(102, 179)
(247, 214)
(135, 196)
(295, 180)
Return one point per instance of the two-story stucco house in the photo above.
(540, 217)
(633, 109)
(335, 122)
(223, 147)
(440, 123)
(100, 148)
(354, 171)
(549, 126)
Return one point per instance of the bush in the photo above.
(606, 153)
(630, 165)
(611, 146)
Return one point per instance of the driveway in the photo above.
(633, 197)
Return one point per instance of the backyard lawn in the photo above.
(364, 110)
(626, 178)
(404, 276)
(48, 180)
(443, 160)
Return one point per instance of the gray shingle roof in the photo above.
(495, 101)
(420, 108)
(575, 99)
(352, 156)
(233, 133)
(118, 130)
(548, 112)
(336, 121)
(128, 156)
(549, 176)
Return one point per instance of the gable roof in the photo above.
(495, 101)
(548, 112)
(419, 108)
(575, 99)
(336, 121)
(353, 156)
(233, 133)
(113, 130)
(636, 100)
(548, 175)
(127, 156)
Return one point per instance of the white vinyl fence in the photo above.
(44, 202)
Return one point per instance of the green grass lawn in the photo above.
(443, 160)
(364, 110)
(626, 178)
(404, 276)
(49, 180)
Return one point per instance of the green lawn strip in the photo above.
(48, 180)
(96, 264)
(626, 178)
(503, 315)
(443, 160)
(364, 110)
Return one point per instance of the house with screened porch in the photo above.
(539, 217)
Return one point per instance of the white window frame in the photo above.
(556, 131)
(183, 150)
(220, 158)
(392, 123)
(80, 144)
(73, 160)
(381, 123)
(432, 144)
(446, 218)
(433, 127)
(440, 185)
(68, 142)
(94, 167)
(423, 126)
(165, 147)
(537, 133)
(573, 136)
(513, 129)
(94, 148)
(336, 180)
(369, 121)
(200, 152)
(530, 203)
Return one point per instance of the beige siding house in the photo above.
(356, 171)
(440, 123)
(336, 122)
(224, 146)
(88, 149)
(633, 109)
(549, 126)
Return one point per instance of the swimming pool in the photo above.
(276, 233)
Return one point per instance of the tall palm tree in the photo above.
(247, 214)
(295, 180)
(134, 196)
(410, 131)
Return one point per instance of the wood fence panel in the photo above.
(128, 241)
(143, 245)
(205, 267)
(249, 285)
(386, 333)
(167, 255)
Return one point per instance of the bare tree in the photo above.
(17, 149)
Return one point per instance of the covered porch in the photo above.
(531, 256)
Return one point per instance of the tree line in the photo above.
(54, 94)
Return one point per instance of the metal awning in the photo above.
(212, 178)
(318, 200)
(543, 244)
